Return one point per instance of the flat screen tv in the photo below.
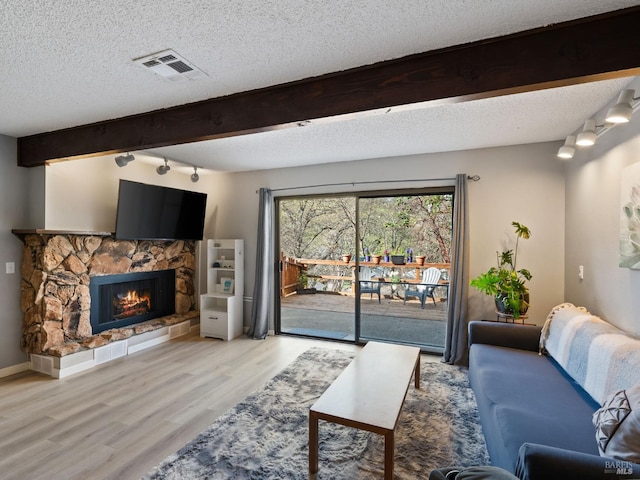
(152, 212)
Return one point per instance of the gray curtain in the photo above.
(264, 268)
(456, 349)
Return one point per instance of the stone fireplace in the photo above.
(63, 272)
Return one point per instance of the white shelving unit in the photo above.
(221, 307)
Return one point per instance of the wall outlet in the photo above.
(581, 272)
(10, 267)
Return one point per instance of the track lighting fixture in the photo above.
(587, 136)
(621, 112)
(568, 149)
(123, 160)
(194, 176)
(162, 169)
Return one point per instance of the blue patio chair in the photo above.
(367, 285)
(425, 288)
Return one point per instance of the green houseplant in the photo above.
(303, 280)
(505, 282)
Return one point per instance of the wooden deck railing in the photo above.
(290, 274)
(293, 267)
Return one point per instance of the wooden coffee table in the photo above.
(368, 395)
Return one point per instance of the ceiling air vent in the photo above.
(168, 64)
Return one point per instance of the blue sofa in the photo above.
(536, 418)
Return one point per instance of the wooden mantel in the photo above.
(23, 232)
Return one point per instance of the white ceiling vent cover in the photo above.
(168, 64)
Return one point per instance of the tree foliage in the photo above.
(324, 228)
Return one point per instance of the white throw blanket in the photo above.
(600, 357)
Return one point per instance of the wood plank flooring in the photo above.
(120, 419)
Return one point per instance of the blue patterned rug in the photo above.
(266, 435)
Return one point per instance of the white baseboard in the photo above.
(148, 344)
(80, 367)
(13, 369)
(85, 360)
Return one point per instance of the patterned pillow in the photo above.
(618, 426)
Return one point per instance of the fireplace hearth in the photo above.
(127, 299)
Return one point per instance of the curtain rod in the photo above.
(475, 178)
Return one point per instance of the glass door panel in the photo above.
(317, 258)
(403, 273)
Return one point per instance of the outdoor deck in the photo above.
(332, 316)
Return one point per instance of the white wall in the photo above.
(521, 183)
(83, 194)
(593, 226)
(14, 198)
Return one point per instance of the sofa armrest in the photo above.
(523, 337)
(541, 462)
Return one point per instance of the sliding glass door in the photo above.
(365, 267)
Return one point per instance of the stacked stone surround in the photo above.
(56, 273)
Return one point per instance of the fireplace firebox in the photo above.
(126, 299)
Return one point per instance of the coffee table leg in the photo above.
(416, 373)
(313, 443)
(389, 448)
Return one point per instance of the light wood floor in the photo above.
(119, 420)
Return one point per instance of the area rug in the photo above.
(266, 435)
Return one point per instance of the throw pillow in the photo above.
(617, 425)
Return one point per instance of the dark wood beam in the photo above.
(589, 49)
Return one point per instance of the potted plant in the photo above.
(386, 255)
(302, 289)
(420, 259)
(367, 255)
(409, 255)
(376, 259)
(505, 282)
(346, 258)
(397, 259)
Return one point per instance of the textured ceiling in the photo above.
(66, 63)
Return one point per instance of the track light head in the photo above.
(163, 169)
(621, 112)
(123, 160)
(588, 136)
(568, 149)
(194, 176)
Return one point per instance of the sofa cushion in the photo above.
(597, 355)
(485, 472)
(618, 426)
(525, 397)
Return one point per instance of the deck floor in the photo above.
(332, 316)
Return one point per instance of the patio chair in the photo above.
(425, 288)
(367, 285)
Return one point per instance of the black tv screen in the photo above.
(152, 212)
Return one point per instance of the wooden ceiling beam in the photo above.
(588, 49)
